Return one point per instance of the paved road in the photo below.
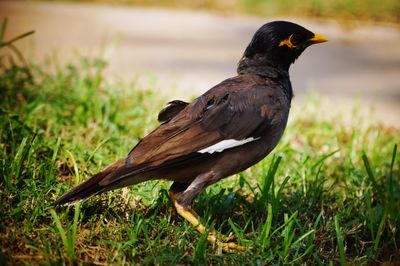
(191, 51)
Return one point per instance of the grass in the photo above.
(328, 194)
(384, 10)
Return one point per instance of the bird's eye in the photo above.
(290, 41)
(294, 39)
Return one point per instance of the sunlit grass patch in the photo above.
(328, 193)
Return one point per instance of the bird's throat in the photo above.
(261, 66)
(267, 70)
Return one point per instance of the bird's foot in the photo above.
(227, 245)
(192, 217)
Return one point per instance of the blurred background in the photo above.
(182, 48)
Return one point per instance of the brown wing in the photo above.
(180, 136)
(234, 109)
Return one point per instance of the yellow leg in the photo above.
(192, 217)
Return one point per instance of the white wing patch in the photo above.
(226, 144)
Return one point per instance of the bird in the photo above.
(229, 128)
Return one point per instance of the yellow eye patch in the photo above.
(287, 42)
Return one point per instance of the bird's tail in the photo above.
(101, 182)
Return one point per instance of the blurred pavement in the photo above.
(192, 51)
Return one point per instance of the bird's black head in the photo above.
(277, 44)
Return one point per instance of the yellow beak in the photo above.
(318, 38)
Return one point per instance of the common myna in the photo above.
(229, 128)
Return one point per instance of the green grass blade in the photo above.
(19, 158)
(316, 223)
(308, 250)
(50, 174)
(391, 182)
(235, 229)
(244, 180)
(294, 215)
(340, 244)
(370, 215)
(318, 259)
(60, 229)
(281, 187)
(75, 227)
(393, 159)
(97, 148)
(380, 231)
(75, 165)
(18, 162)
(303, 236)
(264, 236)
(369, 171)
(269, 179)
(55, 152)
(288, 235)
(199, 252)
(323, 159)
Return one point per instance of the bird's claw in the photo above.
(228, 245)
(232, 246)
